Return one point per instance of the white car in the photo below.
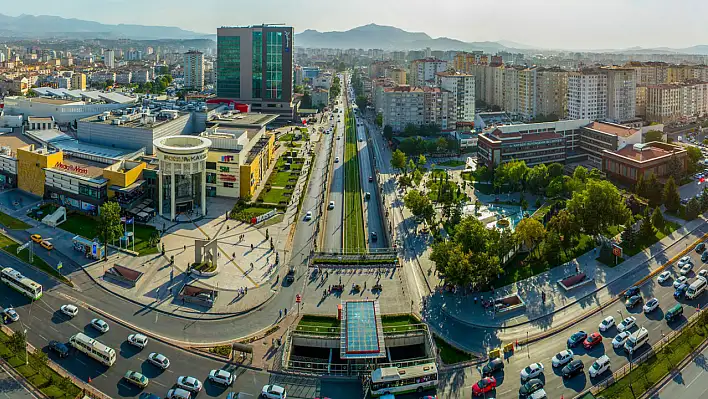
(685, 269)
(99, 325)
(308, 215)
(331, 205)
(607, 323)
(138, 340)
(680, 280)
(600, 365)
(627, 324)
(684, 260)
(221, 377)
(562, 358)
(664, 277)
(532, 371)
(11, 314)
(189, 383)
(651, 305)
(620, 339)
(159, 360)
(69, 310)
(273, 392)
(703, 273)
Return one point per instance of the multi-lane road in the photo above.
(332, 240)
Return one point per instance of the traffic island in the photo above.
(574, 281)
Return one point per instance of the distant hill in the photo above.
(388, 38)
(45, 26)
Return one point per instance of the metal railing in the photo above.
(317, 368)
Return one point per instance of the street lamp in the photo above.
(26, 353)
(619, 312)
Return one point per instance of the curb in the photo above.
(641, 281)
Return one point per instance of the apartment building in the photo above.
(621, 93)
(78, 81)
(598, 137)
(398, 75)
(109, 59)
(552, 92)
(641, 101)
(587, 95)
(527, 93)
(403, 105)
(461, 88)
(674, 102)
(463, 62)
(377, 89)
(423, 71)
(194, 70)
(510, 100)
(438, 108)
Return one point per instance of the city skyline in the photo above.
(603, 26)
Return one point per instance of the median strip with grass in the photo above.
(12, 223)
(354, 239)
(10, 246)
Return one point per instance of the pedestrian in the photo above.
(185, 247)
(281, 314)
(245, 291)
(286, 312)
(251, 247)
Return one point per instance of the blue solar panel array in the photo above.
(362, 336)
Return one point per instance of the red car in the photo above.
(484, 385)
(592, 340)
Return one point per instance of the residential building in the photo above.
(403, 105)
(463, 62)
(109, 59)
(632, 161)
(621, 94)
(255, 66)
(194, 70)
(676, 102)
(552, 92)
(641, 101)
(320, 98)
(16, 86)
(377, 89)
(124, 78)
(398, 75)
(78, 81)
(423, 71)
(510, 97)
(598, 137)
(461, 88)
(587, 95)
(439, 108)
(527, 93)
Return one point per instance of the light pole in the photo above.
(528, 353)
(26, 353)
(619, 312)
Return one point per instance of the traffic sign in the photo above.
(298, 299)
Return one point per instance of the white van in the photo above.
(636, 340)
(600, 365)
(178, 393)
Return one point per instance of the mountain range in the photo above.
(47, 26)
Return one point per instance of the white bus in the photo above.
(20, 283)
(398, 380)
(93, 348)
(696, 288)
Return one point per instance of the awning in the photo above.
(128, 189)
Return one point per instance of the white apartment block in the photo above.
(621, 94)
(423, 71)
(527, 93)
(462, 89)
(552, 92)
(587, 95)
(403, 105)
(109, 59)
(194, 70)
(669, 103)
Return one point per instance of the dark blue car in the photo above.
(631, 291)
(681, 291)
(576, 339)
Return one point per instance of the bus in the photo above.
(398, 380)
(696, 288)
(93, 348)
(20, 283)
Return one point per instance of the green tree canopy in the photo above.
(693, 209)
(646, 229)
(598, 206)
(653, 191)
(657, 219)
(398, 160)
(555, 170)
(109, 225)
(537, 179)
(529, 231)
(672, 200)
(379, 119)
(653, 135)
(419, 204)
(388, 132)
(694, 155)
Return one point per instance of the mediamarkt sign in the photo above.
(185, 158)
(72, 168)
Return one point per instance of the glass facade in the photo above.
(228, 66)
(257, 80)
(274, 66)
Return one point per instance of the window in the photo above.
(257, 71)
(274, 65)
(228, 66)
(229, 185)
(211, 165)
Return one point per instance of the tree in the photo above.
(441, 144)
(694, 156)
(552, 247)
(672, 200)
(653, 135)
(640, 188)
(598, 206)
(555, 170)
(388, 132)
(18, 342)
(398, 160)
(629, 236)
(673, 168)
(422, 160)
(361, 102)
(299, 89)
(419, 205)
(657, 219)
(653, 191)
(580, 173)
(379, 119)
(109, 225)
(529, 232)
(555, 187)
(565, 225)
(693, 209)
(646, 230)
(537, 179)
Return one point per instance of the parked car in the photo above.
(619, 340)
(273, 392)
(681, 291)
(573, 368)
(684, 260)
(627, 323)
(701, 247)
(607, 323)
(663, 277)
(600, 365)
(492, 367)
(530, 387)
(631, 291)
(680, 280)
(633, 301)
(221, 377)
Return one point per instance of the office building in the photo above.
(255, 66)
(598, 137)
(194, 70)
(632, 161)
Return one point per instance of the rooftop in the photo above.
(613, 129)
(646, 152)
(498, 135)
(70, 145)
(52, 101)
(243, 119)
(13, 141)
(362, 332)
(134, 121)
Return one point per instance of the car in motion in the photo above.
(531, 371)
(189, 383)
(308, 215)
(530, 387)
(10, 314)
(484, 385)
(36, 238)
(331, 205)
(159, 360)
(59, 348)
(273, 392)
(664, 277)
(336, 159)
(492, 367)
(576, 339)
(651, 305)
(606, 323)
(573, 368)
(136, 379)
(100, 325)
(620, 339)
(138, 340)
(592, 340)
(627, 324)
(562, 358)
(680, 280)
(633, 301)
(69, 310)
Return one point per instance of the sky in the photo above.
(557, 24)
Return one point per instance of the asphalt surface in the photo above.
(372, 213)
(11, 388)
(689, 383)
(333, 228)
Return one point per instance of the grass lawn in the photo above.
(656, 367)
(452, 163)
(644, 243)
(282, 179)
(318, 321)
(275, 195)
(10, 246)
(86, 226)
(246, 214)
(12, 223)
(523, 266)
(449, 354)
(452, 187)
(354, 239)
(38, 374)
